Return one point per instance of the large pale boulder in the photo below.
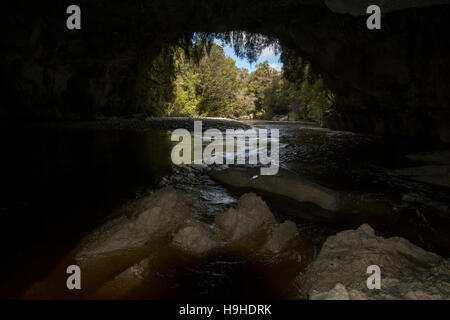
(285, 183)
(251, 214)
(407, 271)
(162, 213)
(280, 236)
(195, 238)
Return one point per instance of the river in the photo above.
(59, 184)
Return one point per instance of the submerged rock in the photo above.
(407, 271)
(162, 213)
(433, 174)
(251, 214)
(432, 168)
(284, 183)
(437, 157)
(124, 259)
(120, 286)
(195, 238)
(280, 236)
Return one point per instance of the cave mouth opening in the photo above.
(398, 88)
(235, 74)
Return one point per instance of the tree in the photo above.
(316, 101)
(207, 87)
(259, 81)
(201, 80)
(219, 82)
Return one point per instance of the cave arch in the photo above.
(391, 81)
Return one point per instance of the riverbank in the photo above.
(136, 123)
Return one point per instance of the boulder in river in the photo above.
(432, 168)
(407, 271)
(251, 214)
(160, 214)
(280, 235)
(284, 183)
(195, 238)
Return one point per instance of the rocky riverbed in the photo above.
(212, 232)
(119, 261)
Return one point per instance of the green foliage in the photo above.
(318, 101)
(155, 82)
(186, 100)
(274, 95)
(219, 81)
(198, 79)
(207, 87)
(315, 101)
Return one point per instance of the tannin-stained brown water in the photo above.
(59, 184)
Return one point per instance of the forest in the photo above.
(201, 81)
